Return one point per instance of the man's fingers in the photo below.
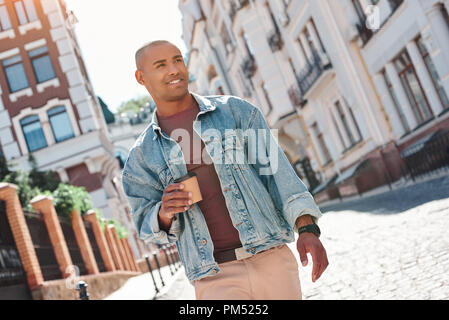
(173, 187)
(178, 203)
(174, 210)
(316, 258)
(176, 195)
(322, 264)
(302, 254)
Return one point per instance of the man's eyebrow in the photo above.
(164, 60)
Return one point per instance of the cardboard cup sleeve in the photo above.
(190, 182)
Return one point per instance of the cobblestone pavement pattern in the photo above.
(390, 246)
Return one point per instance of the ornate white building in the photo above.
(350, 84)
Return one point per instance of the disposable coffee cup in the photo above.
(190, 182)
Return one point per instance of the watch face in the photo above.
(316, 230)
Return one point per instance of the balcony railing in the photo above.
(236, 5)
(275, 41)
(394, 4)
(249, 66)
(296, 97)
(365, 33)
(308, 76)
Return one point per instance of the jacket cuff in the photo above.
(156, 234)
(299, 205)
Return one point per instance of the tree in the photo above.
(135, 105)
(44, 180)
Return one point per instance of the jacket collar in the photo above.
(204, 104)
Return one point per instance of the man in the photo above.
(233, 242)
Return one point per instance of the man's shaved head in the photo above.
(161, 69)
(141, 52)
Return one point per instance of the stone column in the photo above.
(402, 95)
(21, 234)
(120, 248)
(83, 243)
(100, 238)
(424, 77)
(133, 259)
(113, 247)
(388, 103)
(44, 205)
(128, 257)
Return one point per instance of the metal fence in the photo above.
(74, 249)
(42, 245)
(11, 271)
(95, 248)
(428, 155)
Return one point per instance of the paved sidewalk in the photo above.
(391, 245)
(141, 287)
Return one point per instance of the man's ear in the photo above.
(139, 77)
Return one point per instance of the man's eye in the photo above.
(160, 65)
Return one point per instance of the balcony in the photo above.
(275, 41)
(365, 33)
(394, 4)
(310, 75)
(249, 66)
(236, 5)
(295, 96)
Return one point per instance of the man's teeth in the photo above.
(176, 81)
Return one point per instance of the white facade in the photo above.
(322, 85)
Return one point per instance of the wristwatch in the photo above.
(311, 228)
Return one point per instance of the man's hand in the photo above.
(173, 201)
(309, 243)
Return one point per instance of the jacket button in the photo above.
(203, 241)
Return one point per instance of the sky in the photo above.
(110, 31)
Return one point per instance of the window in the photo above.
(345, 123)
(338, 131)
(412, 87)
(5, 23)
(43, 68)
(226, 39)
(34, 135)
(321, 143)
(60, 123)
(433, 73)
(267, 97)
(396, 102)
(15, 73)
(25, 11)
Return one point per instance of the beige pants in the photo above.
(268, 275)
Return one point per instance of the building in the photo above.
(350, 84)
(48, 106)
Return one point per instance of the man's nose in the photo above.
(172, 70)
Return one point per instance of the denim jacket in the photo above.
(264, 196)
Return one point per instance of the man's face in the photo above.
(163, 72)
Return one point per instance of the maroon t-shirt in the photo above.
(213, 206)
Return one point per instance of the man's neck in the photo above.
(169, 108)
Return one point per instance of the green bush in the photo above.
(121, 231)
(24, 190)
(100, 218)
(67, 198)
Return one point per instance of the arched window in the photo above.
(34, 135)
(60, 123)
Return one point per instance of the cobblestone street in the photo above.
(390, 246)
